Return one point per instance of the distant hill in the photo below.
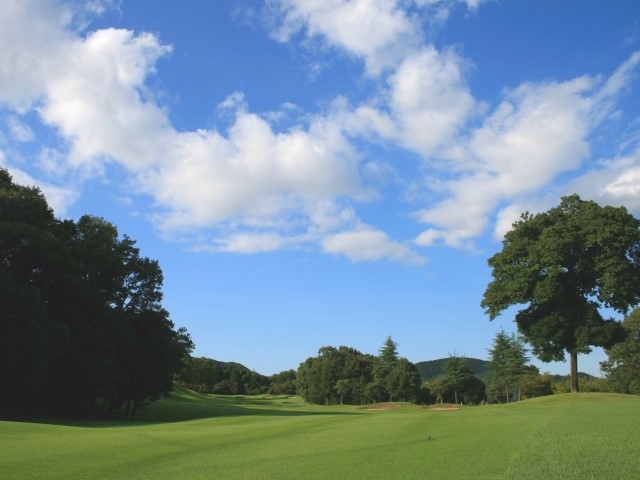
(226, 367)
(432, 369)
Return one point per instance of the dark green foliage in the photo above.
(623, 365)
(425, 395)
(562, 267)
(206, 375)
(318, 377)
(458, 384)
(534, 385)
(474, 391)
(431, 369)
(345, 375)
(81, 313)
(283, 383)
(386, 360)
(23, 342)
(403, 382)
(459, 379)
(508, 364)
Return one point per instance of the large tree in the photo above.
(80, 312)
(563, 267)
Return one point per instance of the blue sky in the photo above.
(322, 172)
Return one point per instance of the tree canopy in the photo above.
(345, 375)
(82, 317)
(563, 267)
(623, 365)
(508, 357)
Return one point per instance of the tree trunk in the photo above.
(574, 372)
(507, 392)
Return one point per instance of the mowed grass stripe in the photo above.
(589, 436)
(253, 437)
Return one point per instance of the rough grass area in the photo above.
(192, 436)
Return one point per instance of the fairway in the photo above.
(191, 436)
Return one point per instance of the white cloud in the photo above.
(381, 32)
(250, 177)
(429, 99)
(534, 134)
(251, 243)
(253, 175)
(34, 30)
(263, 189)
(52, 162)
(19, 130)
(423, 106)
(367, 244)
(96, 101)
(612, 182)
(378, 31)
(625, 184)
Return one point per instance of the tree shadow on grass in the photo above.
(187, 405)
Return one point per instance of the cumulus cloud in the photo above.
(429, 99)
(255, 187)
(97, 103)
(262, 189)
(534, 134)
(423, 106)
(378, 31)
(368, 244)
(253, 173)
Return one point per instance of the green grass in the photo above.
(192, 436)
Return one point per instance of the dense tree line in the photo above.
(82, 327)
(457, 385)
(206, 375)
(345, 375)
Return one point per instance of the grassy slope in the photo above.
(195, 436)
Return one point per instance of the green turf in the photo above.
(191, 436)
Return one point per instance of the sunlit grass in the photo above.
(201, 436)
